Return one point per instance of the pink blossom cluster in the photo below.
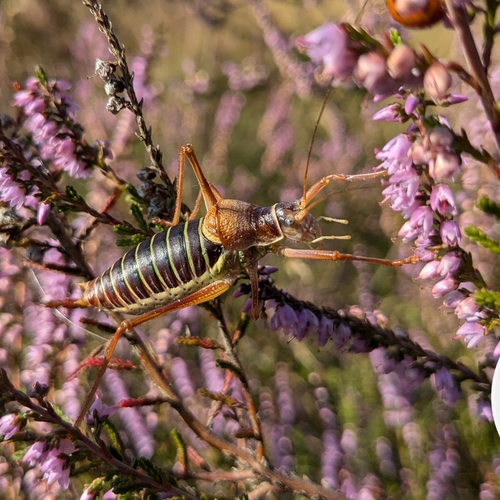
(419, 168)
(49, 112)
(53, 462)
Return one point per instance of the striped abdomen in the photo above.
(167, 267)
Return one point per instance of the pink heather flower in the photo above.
(442, 200)
(437, 81)
(468, 309)
(307, 323)
(411, 104)
(449, 264)
(401, 62)
(443, 287)
(453, 299)
(444, 166)
(441, 138)
(36, 453)
(421, 153)
(450, 233)
(99, 411)
(391, 113)
(472, 332)
(420, 224)
(341, 336)
(43, 212)
(87, 494)
(454, 99)
(328, 45)
(395, 154)
(325, 330)
(446, 385)
(371, 73)
(54, 467)
(10, 191)
(429, 271)
(284, 317)
(9, 425)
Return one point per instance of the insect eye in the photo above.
(289, 221)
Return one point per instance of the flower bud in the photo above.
(441, 137)
(420, 152)
(371, 73)
(42, 213)
(443, 287)
(444, 166)
(450, 233)
(328, 45)
(400, 62)
(411, 103)
(437, 81)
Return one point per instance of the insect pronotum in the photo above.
(199, 259)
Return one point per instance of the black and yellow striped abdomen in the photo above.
(167, 267)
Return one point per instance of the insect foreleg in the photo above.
(323, 182)
(295, 253)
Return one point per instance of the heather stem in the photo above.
(459, 19)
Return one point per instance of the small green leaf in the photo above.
(395, 36)
(121, 229)
(72, 193)
(114, 436)
(137, 213)
(181, 447)
(138, 238)
(41, 76)
(132, 191)
(475, 234)
(487, 298)
(126, 242)
(489, 206)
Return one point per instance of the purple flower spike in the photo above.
(442, 200)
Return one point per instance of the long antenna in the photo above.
(316, 126)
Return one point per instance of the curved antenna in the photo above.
(316, 126)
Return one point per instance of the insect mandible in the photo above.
(197, 260)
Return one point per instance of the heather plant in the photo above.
(356, 381)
